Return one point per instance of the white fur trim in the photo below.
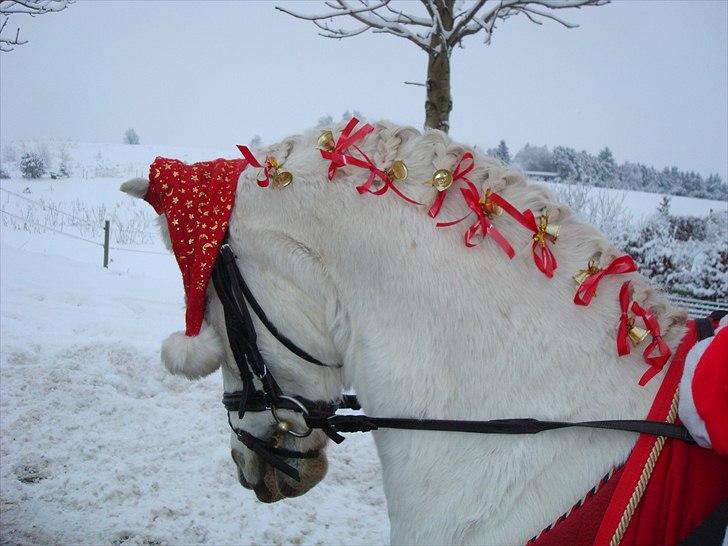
(686, 406)
(193, 356)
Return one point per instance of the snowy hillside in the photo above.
(99, 444)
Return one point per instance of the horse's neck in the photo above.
(440, 331)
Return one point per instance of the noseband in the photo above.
(236, 297)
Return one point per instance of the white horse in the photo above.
(428, 328)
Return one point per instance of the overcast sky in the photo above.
(648, 79)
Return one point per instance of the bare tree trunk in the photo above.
(439, 100)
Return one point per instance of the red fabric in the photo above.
(482, 223)
(588, 289)
(710, 390)
(686, 485)
(197, 201)
(656, 361)
(542, 255)
(340, 154)
(580, 526)
(623, 328)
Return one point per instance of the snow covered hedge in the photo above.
(686, 255)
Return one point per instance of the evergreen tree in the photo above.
(32, 165)
(131, 136)
(503, 153)
(663, 209)
(607, 167)
(715, 188)
(325, 122)
(535, 158)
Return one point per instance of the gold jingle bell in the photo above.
(551, 231)
(591, 269)
(282, 179)
(326, 140)
(398, 171)
(281, 430)
(636, 334)
(442, 179)
(487, 205)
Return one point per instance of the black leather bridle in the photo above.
(236, 298)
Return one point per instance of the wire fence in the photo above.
(49, 228)
(125, 230)
(45, 206)
(95, 227)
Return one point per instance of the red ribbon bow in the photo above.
(624, 323)
(542, 255)
(339, 156)
(267, 166)
(656, 361)
(374, 173)
(587, 289)
(463, 168)
(482, 224)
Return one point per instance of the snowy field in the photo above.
(99, 445)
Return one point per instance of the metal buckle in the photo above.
(283, 424)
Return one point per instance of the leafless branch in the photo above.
(420, 84)
(532, 13)
(371, 15)
(468, 18)
(32, 7)
(24, 7)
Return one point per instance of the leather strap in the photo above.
(228, 257)
(363, 423)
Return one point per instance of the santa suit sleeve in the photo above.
(703, 406)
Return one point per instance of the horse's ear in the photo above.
(193, 356)
(136, 187)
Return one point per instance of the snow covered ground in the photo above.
(99, 445)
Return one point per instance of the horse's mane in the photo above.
(428, 150)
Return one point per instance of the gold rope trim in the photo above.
(644, 478)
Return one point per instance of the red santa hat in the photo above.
(197, 201)
(703, 406)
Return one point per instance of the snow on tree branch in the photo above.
(442, 23)
(372, 16)
(10, 39)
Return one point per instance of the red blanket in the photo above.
(664, 490)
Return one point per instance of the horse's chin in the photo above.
(311, 471)
(273, 485)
